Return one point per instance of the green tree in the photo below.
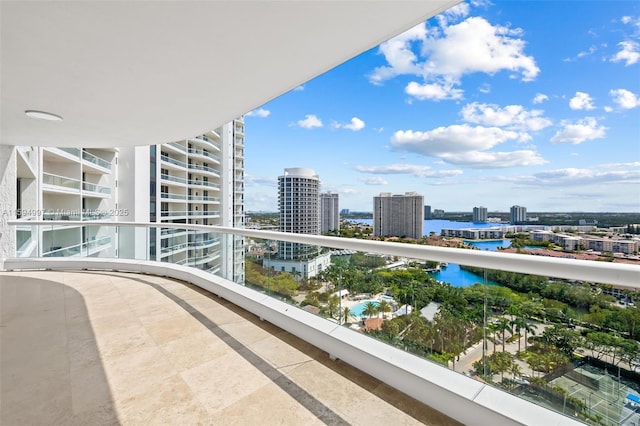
(370, 309)
(384, 308)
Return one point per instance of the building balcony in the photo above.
(453, 394)
(173, 162)
(205, 169)
(96, 162)
(204, 198)
(206, 184)
(172, 180)
(62, 154)
(95, 190)
(56, 183)
(204, 154)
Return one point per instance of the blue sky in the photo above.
(532, 103)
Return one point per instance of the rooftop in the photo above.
(83, 347)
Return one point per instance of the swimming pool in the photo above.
(356, 310)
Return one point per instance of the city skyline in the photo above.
(516, 119)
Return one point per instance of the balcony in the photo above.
(172, 179)
(96, 190)
(204, 154)
(174, 162)
(136, 349)
(429, 383)
(60, 183)
(93, 160)
(205, 169)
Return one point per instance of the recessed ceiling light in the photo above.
(41, 115)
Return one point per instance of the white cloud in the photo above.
(408, 169)
(581, 101)
(433, 91)
(494, 160)
(485, 88)
(513, 117)
(356, 124)
(582, 54)
(466, 145)
(629, 53)
(624, 98)
(448, 52)
(608, 109)
(475, 45)
(580, 131)
(310, 121)
(455, 13)
(260, 112)
(299, 88)
(540, 98)
(399, 55)
(375, 180)
(571, 177)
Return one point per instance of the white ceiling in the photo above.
(126, 73)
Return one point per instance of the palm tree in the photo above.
(528, 328)
(518, 324)
(346, 313)
(370, 309)
(504, 325)
(384, 307)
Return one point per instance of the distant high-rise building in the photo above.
(344, 211)
(480, 214)
(299, 205)
(518, 214)
(427, 212)
(398, 215)
(329, 212)
(438, 213)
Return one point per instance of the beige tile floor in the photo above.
(114, 348)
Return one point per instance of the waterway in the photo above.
(452, 273)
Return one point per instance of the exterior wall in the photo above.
(398, 215)
(8, 197)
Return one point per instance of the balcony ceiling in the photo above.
(140, 73)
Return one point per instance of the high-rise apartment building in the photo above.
(329, 212)
(480, 214)
(398, 215)
(518, 214)
(198, 180)
(299, 204)
(427, 212)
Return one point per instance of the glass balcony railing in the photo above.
(81, 249)
(92, 187)
(71, 151)
(173, 178)
(204, 168)
(60, 181)
(561, 334)
(87, 156)
(173, 161)
(167, 213)
(204, 154)
(204, 183)
(203, 198)
(172, 196)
